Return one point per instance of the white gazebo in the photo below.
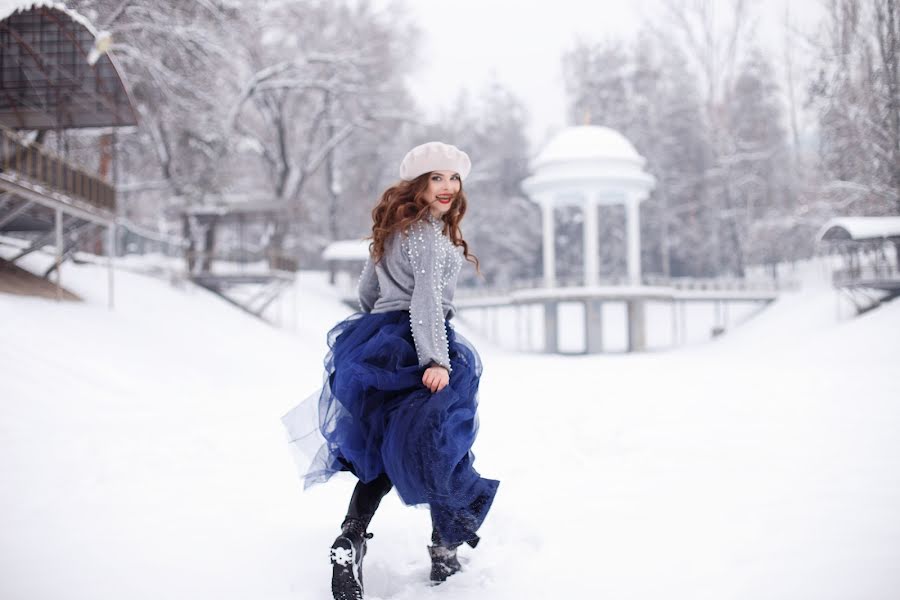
(590, 166)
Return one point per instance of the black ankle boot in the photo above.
(443, 560)
(347, 553)
(443, 563)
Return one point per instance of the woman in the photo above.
(398, 406)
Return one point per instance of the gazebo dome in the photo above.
(588, 160)
(588, 143)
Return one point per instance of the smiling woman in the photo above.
(443, 187)
(398, 408)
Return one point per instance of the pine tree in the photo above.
(755, 171)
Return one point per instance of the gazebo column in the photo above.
(593, 321)
(549, 239)
(551, 326)
(636, 321)
(593, 309)
(591, 246)
(637, 338)
(633, 217)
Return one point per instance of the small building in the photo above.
(56, 75)
(346, 259)
(869, 249)
(232, 251)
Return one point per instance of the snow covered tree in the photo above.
(754, 169)
(668, 130)
(175, 55)
(293, 101)
(856, 95)
(325, 76)
(597, 77)
(502, 152)
(712, 36)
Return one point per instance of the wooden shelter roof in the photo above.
(858, 229)
(54, 72)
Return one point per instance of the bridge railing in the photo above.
(721, 283)
(678, 283)
(885, 272)
(35, 163)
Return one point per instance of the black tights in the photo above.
(367, 497)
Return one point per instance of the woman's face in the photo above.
(443, 187)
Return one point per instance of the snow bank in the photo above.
(141, 456)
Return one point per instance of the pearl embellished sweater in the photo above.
(418, 273)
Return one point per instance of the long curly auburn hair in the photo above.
(403, 204)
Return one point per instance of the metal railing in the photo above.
(721, 283)
(866, 275)
(200, 261)
(39, 165)
(678, 283)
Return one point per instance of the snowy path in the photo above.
(141, 456)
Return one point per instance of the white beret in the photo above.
(434, 156)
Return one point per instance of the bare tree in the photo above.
(325, 76)
(174, 56)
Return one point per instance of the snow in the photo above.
(347, 250)
(101, 47)
(342, 556)
(861, 228)
(142, 456)
(587, 142)
(588, 162)
(8, 7)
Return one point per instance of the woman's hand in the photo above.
(436, 378)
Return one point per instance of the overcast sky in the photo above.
(520, 42)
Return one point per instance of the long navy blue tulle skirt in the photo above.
(374, 415)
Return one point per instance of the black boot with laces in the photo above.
(347, 553)
(444, 562)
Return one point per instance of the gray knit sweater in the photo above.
(418, 273)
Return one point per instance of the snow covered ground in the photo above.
(141, 456)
